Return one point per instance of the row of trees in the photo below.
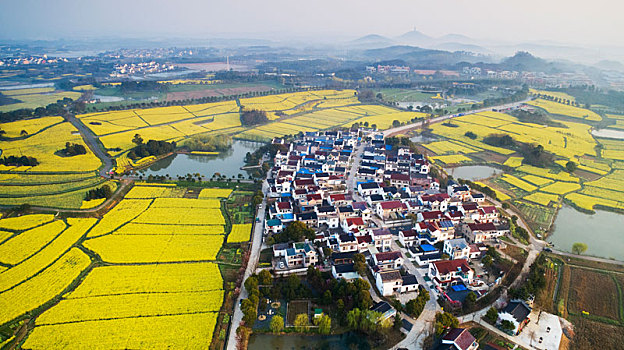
(19, 161)
(57, 108)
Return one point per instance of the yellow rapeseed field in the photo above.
(134, 228)
(152, 278)
(125, 211)
(518, 183)
(155, 248)
(561, 187)
(51, 252)
(25, 222)
(31, 126)
(43, 287)
(95, 308)
(239, 233)
(215, 193)
(566, 110)
(542, 198)
(44, 146)
(29, 242)
(189, 331)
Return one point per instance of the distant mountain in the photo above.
(610, 65)
(455, 46)
(419, 57)
(415, 38)
(371, 41)
(456, 38)
(524, 61)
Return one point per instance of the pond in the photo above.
(227, 163)
(609, 133)
(602, 232)
(473, 172)
(420, 138)
(300, 342)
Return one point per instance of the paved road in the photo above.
(256, 247)
(402, 129)
(93, 142)
(423, 325)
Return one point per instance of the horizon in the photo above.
(348, 20)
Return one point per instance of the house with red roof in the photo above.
(460, 339)
(446, 273)
(353, 224)
(479, 232)
(385, 209)
(408, 238)
(388, 260)
(400, 180)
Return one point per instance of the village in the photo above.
(361, 197)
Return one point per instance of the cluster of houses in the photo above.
(360, 194)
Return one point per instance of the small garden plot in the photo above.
(536, 180)
(295, 308)
(512, 180)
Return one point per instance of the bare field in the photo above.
(593, 292)
(590, 334)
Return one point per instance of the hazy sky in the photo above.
(571, 21)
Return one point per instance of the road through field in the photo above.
(256, 245)
(404, 128)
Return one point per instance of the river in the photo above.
(602, 232)
(300, 342)
(227, 163)
(472, 172)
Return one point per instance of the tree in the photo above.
(301, 323)
(326, 299)
(137, 139)
(570, 166)
(295, 231)
(398, 322)
(579, 248)
(507, 325)
(471, 135)
(324, 324)
(491, 315)
(277, 324)
(470, 300)
(443, 321)
(359, 264)
(265, 278)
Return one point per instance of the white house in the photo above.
(383, 239)
(369, 188)
(388, 260)
(456, 248)
(517, 312)
(388, 282)
(447, 273)
(345, 271)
